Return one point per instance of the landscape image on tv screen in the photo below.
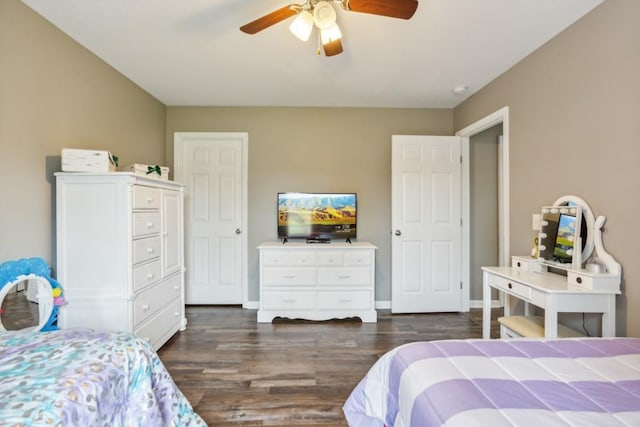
(315, 215)
(565, 237)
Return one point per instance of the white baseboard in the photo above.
(385, 305)
(478, 303)
(252, 305)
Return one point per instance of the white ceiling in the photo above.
(191, 52)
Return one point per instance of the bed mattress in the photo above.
(520, 382)
(77, 377)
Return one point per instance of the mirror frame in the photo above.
(49, 290)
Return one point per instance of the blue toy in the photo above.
(28, 268)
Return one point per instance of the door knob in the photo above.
(398, 233)
(238, 231)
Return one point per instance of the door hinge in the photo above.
(460, 285)
(460, 222)
(460, 159)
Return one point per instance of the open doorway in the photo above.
(493, 121)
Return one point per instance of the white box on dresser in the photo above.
(120, 253)
(317, 281)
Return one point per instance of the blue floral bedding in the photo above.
(79, 377)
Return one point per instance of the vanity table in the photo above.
(549, 291)
(555, 287)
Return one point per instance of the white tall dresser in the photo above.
(120, 253)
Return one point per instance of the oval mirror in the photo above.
(26, 304)
(587, 223)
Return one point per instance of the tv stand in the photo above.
(317, 282)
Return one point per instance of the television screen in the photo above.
(317, 215)
(563, 249)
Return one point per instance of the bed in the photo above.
(78, 377)
(520, 382)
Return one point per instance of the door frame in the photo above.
(496, 118)
(178, 164)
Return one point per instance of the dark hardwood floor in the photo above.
(235, 371)
(17, 312)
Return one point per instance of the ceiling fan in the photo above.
(321, 14)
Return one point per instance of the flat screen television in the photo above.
(317, 216)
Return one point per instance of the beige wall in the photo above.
(54, 94)
(574, 115)
(574, 108)
(321, 150)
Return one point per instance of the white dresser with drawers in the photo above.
(120, 253)
(317, 281)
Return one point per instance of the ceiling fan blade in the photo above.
(403, 9)
(270, 19)
(332, 48)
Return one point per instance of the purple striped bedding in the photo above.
(524, 382)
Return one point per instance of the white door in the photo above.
(213, 166)
(426, 248)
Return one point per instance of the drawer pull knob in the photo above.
(176, 287)
(145, 307)
(149, 200)
(509, 285)
(149, 250)
(149, 225)
(150, 276)
(519, 265)
(579, 279)
(176, 314)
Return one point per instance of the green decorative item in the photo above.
(154, 169)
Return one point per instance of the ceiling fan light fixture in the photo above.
(328, 35)
(302, 25)
(324, 15)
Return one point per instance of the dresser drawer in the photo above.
(331, 257)
(340, 300)
(146, 197)
(146, 274)
(164, 323)
(275, 276)
(144, 249)
(146, 223)
(153, 299)
(526, 263)
(288, 300)
(357, 257)
(344, 276)
(289, 258)
(510, 286)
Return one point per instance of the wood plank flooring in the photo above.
(236, 372)
(17, 312)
